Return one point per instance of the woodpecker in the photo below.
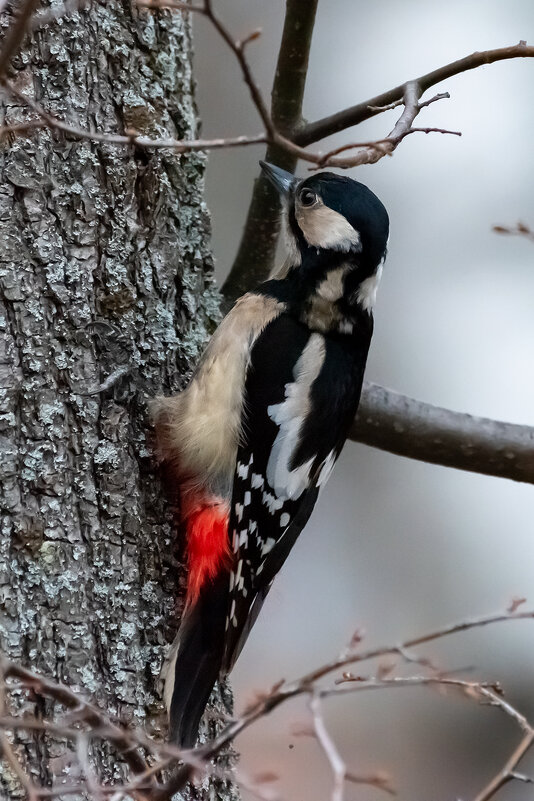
(256, 433)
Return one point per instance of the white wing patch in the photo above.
(326, 469)
(257, 481)
(366, 292)
(242, 470)
(289, 416)
(273, 504)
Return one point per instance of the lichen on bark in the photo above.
(104, 268)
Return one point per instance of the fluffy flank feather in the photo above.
(198, 430)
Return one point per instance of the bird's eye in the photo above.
(307, 197)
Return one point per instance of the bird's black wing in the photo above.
(301, 393)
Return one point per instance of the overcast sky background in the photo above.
(395, 546)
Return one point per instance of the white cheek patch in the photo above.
(289, 416)
(325, 228)
(366, 292)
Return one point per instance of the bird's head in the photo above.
(332, 219)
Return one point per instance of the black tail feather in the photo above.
(197, 664)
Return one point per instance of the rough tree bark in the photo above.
(104, 271)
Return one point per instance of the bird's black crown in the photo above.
(356, 203)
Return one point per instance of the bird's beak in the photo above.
(281, 180)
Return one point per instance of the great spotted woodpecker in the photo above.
(256, 433)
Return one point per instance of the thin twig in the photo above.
(339, 768)
(19, 128)
(172, 5)
(379, 780)
(380, 144)
(388, 107)
(507, 772)
(399, 102)
(140, 779)
(440, 96)
(519, 230)
(237, 47)
(327, 744)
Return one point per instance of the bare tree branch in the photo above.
(258, 244)
(131, 137)
(71, 700)
(255, 254)
(408, 427)
(236, 46)
(315, 131)
(89, 723)
(487, 692)
(285, 690)
(370, 152)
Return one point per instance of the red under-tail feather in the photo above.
(207, 546)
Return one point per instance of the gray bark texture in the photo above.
(104, 271)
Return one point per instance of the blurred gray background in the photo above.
(395, 546)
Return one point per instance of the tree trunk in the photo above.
(105, 273)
